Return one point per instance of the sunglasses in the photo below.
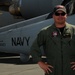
(58, 14)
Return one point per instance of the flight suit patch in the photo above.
(54, 34)
(66, 35)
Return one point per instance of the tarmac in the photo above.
(12, 65)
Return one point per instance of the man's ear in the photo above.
(66, 15)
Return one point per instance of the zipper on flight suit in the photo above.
(61, 55)
(61, 36)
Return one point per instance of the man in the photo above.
(58, 41)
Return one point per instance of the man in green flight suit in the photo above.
(58, 41)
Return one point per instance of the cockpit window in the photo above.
(70, 6)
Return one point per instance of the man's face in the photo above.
(59, 17)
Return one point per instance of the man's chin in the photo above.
(61, 22)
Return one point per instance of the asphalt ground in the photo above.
(12, 65)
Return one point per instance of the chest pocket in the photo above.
(67, 35)
(66, 38)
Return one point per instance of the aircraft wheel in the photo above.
(24, 57)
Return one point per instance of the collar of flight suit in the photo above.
(54, 29)
(67, 26)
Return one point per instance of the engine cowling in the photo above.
(32, 8)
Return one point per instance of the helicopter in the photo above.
(30, 17)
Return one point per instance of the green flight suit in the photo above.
(58, 48)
